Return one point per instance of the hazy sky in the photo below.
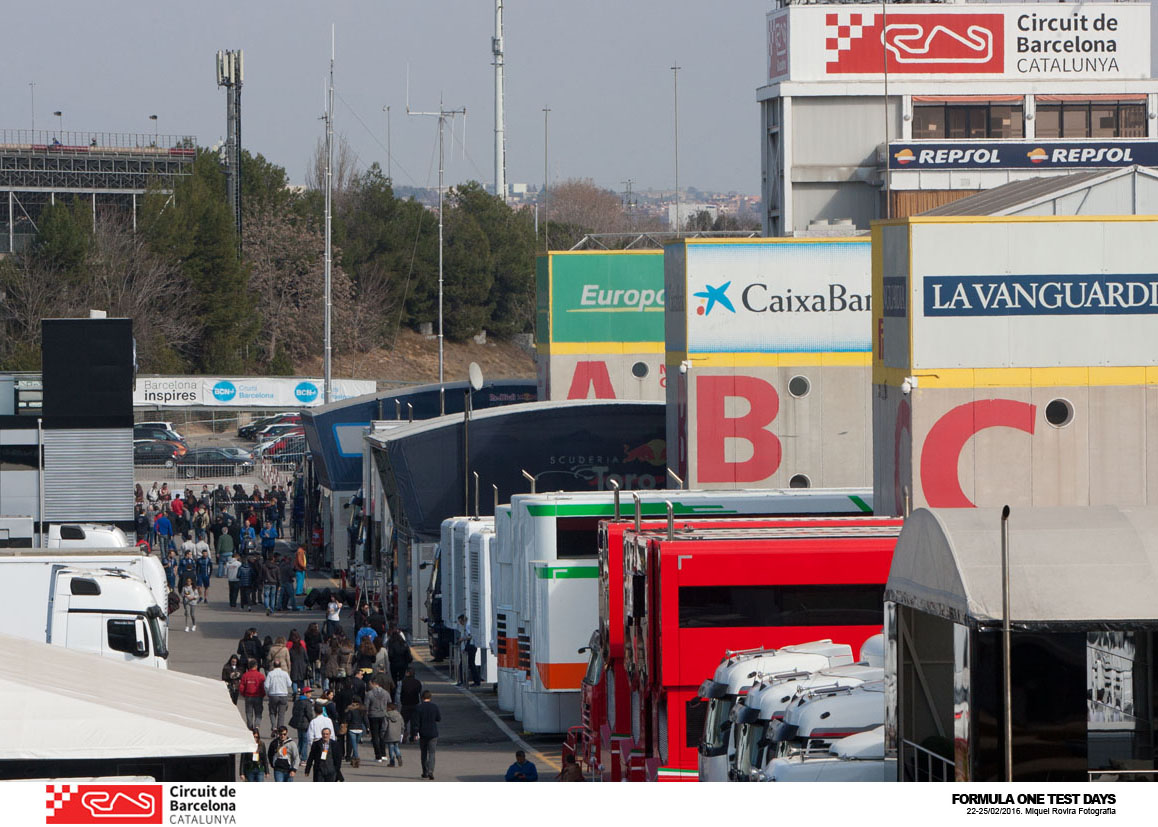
(603, 67)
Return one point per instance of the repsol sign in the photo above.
(1022, 155)
(1046, 295)
(836, 298)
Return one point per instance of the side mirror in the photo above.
(142, 638)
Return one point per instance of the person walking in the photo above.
(287, 601)
(231, 673)
(164, 530)
(303, 713)
(204, 568)
(299, 659)
(278, 688)
(279, 655)
(270, 577)
(249, 647)
(189, 598)
(522, 769)
(333, 616)
(255, 765)
(187, 567)
(233, 578)
(313, 640)
(283, 756)
(468, 667)
(393, 734)
(322, 760)
(409, 696)
(354, 720)
(319, 722)
(300, 570)
(427, 716)
(224, 545)
(400, 657)
(571, 770)
(252, 688)
(246, 582)
(377, 707)
(268, 540)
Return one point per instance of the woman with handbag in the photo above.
(354, 724)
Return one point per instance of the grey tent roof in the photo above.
(1079, 567)
(1017, 196)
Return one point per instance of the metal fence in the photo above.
(920, 764)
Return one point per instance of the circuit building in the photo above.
(973, 96)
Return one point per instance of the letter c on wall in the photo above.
(941, 452)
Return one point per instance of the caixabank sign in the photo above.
(918, 155)
(1031, 41)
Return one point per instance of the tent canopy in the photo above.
(57, 704)
(1093, 567)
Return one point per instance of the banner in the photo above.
(607, 297)
(983, 41)
(1021, 154)
(242, 392)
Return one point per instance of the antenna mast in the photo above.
(327, 367)
(500, 123)
(230, 74)
(442, 114)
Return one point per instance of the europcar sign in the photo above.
(1021, 154)
(850, 42)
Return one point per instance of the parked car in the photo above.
(288, 449)
(150, 431)
(214, 462)
(157, 452)
(163, 424)
(279, 429)
(250, 431)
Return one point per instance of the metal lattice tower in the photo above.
(230, 74)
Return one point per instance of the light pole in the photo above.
(153, 118)
(32, 105)
(60, 124)
(546, 214)
(389, 177)
(675, 75)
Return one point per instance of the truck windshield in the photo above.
(716, 724)
(750, 745)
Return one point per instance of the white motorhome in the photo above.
(734, 675)
(107, 612)
(859, 757)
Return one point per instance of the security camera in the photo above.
(907, 387)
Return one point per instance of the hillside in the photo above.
(414, 359)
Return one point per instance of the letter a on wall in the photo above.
(714, 427)
(590, 375)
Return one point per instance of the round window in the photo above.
(639, 370)
(799, 386)
(1059, 413)
(799, 481)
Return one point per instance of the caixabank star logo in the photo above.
(104, 804)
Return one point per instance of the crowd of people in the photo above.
(334, 690)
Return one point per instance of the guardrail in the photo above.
(915, 758)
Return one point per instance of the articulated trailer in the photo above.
(694, 594)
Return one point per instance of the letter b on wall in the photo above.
(715, 428)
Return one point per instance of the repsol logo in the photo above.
(1046, 295)
(758, 298)
(642, 299)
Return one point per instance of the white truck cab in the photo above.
(86, 535)
(734, 675)
(818, 717)
(107, 612)
(859, 757)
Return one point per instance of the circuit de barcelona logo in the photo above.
(713, 296)
(1045, 295)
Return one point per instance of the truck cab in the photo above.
(104, 612)
(734, 675)
(859, 757)
(819, 717)
(86, 535)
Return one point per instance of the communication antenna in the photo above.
(500, 121)
(442, 114)
(327, 361)
(231, 75)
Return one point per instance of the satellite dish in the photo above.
(476, 377)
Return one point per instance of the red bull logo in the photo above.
(653, 452)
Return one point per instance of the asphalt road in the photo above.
(476, 742)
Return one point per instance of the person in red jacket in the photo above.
(252, 688)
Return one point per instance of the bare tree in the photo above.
(345, 168)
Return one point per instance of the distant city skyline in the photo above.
(602, 67)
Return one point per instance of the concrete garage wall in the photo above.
(757, 315)
(1022, 402)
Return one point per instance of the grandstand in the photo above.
(108, 169)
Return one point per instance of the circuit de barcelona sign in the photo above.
(1021, 154)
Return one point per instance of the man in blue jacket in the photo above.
(522, 769)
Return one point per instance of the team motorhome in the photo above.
(708, 591)
(555, 568)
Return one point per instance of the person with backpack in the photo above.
(231, 673)
(246, 581)
(252, 688)
(409, 696)
(354, 722)
(393, 734)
